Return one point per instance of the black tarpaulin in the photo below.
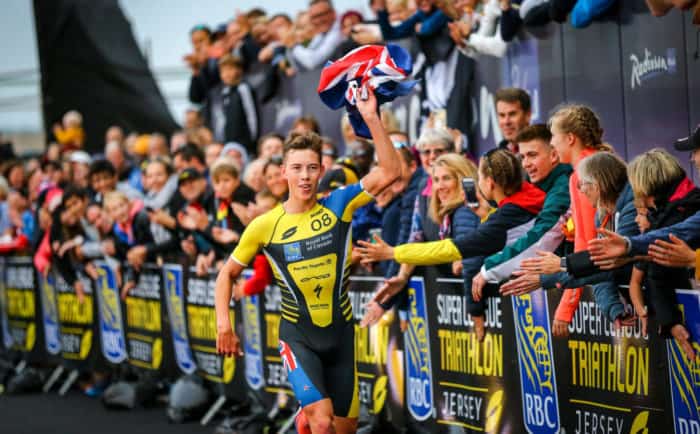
(90, 62)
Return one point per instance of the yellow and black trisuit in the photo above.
(309, 254)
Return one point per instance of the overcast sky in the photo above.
(160, 28)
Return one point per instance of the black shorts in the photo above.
(322, 365)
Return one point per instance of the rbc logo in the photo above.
(684, 373)
(253, 341)
(416, 339)
(172, 277)
(537, 376)
(52, 335)
(111, 329)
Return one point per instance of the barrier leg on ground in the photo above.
(213, 410)
(55, 375)
(20, 366)
(68, 383)
(289, 424)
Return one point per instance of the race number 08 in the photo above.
(324, 221)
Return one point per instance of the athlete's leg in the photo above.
(320, 417)
(340, 378)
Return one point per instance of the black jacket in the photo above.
(661, 281)
(241, 119)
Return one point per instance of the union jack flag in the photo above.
(288, 358)
(386, 69)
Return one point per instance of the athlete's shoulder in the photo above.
(338, 200)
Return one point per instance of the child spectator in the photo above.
(104, 179)
(66, 235)
(70, 135)
(131, 235)
(227, 213)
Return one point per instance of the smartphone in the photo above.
(469, 187)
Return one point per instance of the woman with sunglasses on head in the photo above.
(500, 180)
(432, 143)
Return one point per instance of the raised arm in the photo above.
(388, 167)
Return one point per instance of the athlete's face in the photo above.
(302, 169)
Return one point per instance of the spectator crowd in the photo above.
(551, 206)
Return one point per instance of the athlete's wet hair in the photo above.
(302, 141)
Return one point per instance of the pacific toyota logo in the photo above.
(651, 65)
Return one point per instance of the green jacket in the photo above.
(545, 234)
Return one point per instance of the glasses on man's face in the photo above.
(434, 151)
(319, 15)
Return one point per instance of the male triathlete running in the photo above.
(308, 244)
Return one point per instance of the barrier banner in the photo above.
(419, 378)
(265, 372)
(379, 359)
(111, 324)
(6, 340)
(201, 327)
(174, 289)
(49, 316)
(538, 381)
(684, 374)
(20, 306)
(145, 337)
(609, 380)
(77, 320)
(475, 388)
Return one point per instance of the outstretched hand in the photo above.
(389, 288)
(377, 251)
(673, 253)
(523, 283)
(544, 263)
(373, 313)
(604, 249)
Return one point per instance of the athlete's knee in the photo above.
(320, 421)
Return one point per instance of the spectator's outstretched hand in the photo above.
(373, 313)
(377, 251)
(389, 288)
(682, 337)
(610, 247)
(128, 286)
(525, 282)
(675, 253)
(224, 236)
(560, 329)
(79, 291)
(544, 263)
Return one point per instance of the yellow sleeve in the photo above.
(431, 253)
(697, 265)
(252, 240)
